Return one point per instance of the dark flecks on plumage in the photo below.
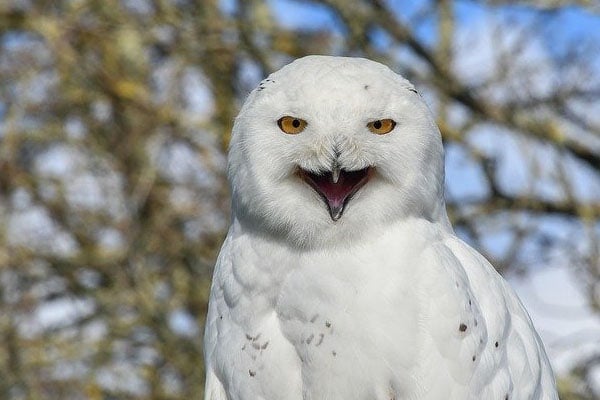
(321, 337)
(310, 338)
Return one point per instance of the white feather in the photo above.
(384, 303)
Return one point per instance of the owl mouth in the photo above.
(336, 187)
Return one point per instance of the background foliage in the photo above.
(114, 123)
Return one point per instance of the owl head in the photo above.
(328, 150)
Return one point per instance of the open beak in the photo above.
(336, 187)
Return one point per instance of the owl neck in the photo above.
(341, 234)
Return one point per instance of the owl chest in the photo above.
(377, 322)
(323, 324)
(350, 323)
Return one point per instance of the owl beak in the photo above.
(335, 172)
(336, 187)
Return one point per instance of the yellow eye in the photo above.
(381, 126)
(291, 125)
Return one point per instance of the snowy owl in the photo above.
(341, 276)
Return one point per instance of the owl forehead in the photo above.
(333, 88)
(341, 95)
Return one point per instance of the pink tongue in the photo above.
(336, 193)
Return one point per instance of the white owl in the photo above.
(341, 277)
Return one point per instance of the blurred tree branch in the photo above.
(114, 123)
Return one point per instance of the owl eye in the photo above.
(291, 125)
(381, 126)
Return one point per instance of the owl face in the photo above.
(329, 147)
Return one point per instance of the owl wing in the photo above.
(515, 363)
(213, 388)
